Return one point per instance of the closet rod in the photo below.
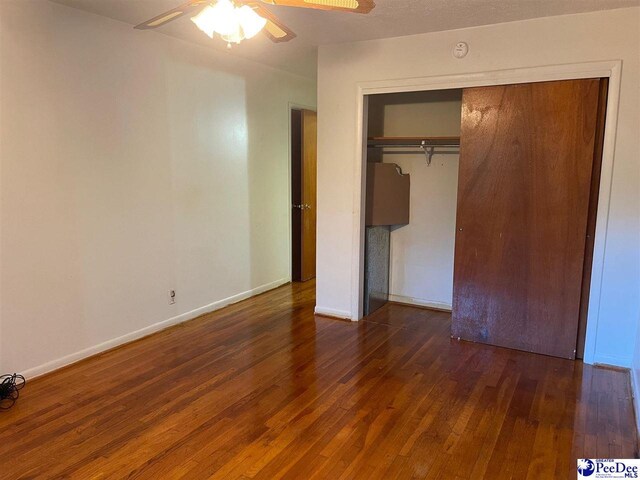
(413, 141)
(414, 145)
(427, 145)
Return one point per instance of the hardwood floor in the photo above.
(264, 390)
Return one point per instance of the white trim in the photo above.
(602, 216)
(332, 312)
(359, 200)
(611, 361)
(607, 69)
(420, 302)
(146, 331)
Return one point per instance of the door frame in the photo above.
(291, 106)
(604, 69)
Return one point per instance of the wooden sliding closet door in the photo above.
(526, 160)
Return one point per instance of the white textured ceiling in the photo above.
(390, 18)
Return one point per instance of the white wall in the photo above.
(421, 264)
(132, 163)
(587, 37)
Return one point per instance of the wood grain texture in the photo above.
(309, 192)
(526, 158)
(263, 389)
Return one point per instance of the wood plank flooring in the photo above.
(264, 390)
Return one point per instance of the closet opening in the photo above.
(482, 202)
(412, 176)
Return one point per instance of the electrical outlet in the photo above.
(172, 297)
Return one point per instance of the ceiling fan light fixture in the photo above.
(206, 20)
(225, 18)
(235, 20)
(231, 23)
(250, 21)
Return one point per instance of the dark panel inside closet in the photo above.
(376, 277)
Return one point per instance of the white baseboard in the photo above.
(611, 360)
(420, 302)
(146, 331)
(332, 312)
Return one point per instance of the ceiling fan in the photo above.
(235, 20)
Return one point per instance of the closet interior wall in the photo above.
(421, 252)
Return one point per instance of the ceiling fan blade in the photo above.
(355, 6)
(172, 14)
(275, 30)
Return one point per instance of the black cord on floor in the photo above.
(10, 386)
